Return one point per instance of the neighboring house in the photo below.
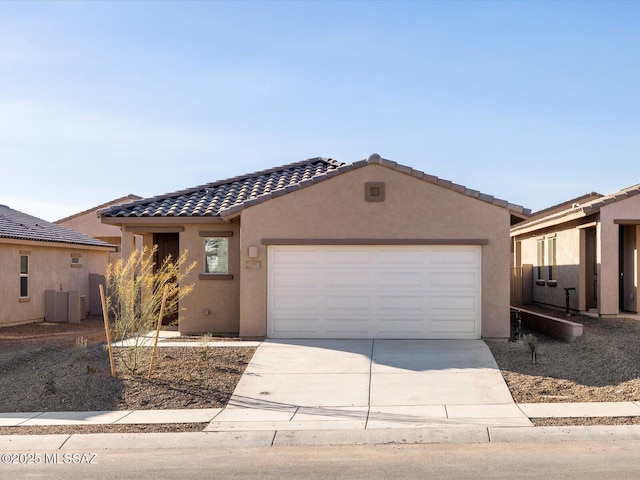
(38, 256)
(589, 244)
(322, 249)
(87, 222)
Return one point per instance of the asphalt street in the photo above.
(544, 460)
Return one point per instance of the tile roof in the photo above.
(227, 197)
(588, 197)
(20, 226)
(128, 198)
(584, 209)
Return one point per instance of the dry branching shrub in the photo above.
(134, 298)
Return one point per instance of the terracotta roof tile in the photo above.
(20, 226)
(227, 197)
(230, 195)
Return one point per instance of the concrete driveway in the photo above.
(316, 384)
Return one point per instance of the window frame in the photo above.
(76, 260)
(24, 275)
(540, 251)
(551, 260)
(221, 241)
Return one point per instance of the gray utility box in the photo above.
(64, 306)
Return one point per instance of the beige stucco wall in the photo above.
(89, 224)
(214, 305)
(336, 209)
(49, 269)
(567, 265)
(627, 209)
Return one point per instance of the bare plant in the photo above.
(203, 349)
(531, 341)
(50, 384)
(135, 289)
(80, 348)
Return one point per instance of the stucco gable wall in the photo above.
(89, 224)
(49, 269)
(627, 209)
(567, 262)
(336, 209)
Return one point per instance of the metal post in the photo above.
(566, 297)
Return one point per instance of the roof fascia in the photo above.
(160, 221)
(520, 230)
(375, 159)
(74, 246)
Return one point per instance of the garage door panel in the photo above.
(374, 292)
(342, 278)
(347, 257)
(289, 278)
(400, 303)
(346, 301)
(347, 325)
(469, 280)
(453, 326)
(450, 257)
(400, 328)
(286, 327)
(296, 303)
(292, 257)
(385, 258)
(453, 303)
(401, 281)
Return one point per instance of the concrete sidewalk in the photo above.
(308, 426)
(310, 418)
(317, 428)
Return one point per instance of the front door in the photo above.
(168, 245)
(628, 268)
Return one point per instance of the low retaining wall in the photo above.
(552, 326)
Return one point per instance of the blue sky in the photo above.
(532, 102)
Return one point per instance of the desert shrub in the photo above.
(135, 289)
(531, 341)
(80, 347)
(203, 350)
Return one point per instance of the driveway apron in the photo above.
(298, 384)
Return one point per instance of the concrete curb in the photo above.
(461, 435)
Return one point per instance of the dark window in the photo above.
(552, 258)
(540, 258)
(24, 275)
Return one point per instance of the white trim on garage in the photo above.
(374, 291)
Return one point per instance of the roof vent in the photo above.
(575, 205)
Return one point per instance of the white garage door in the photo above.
(374, 292)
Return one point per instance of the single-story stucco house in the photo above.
(37, 257)
(87, 222)
(589, 244)
(323, 249)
